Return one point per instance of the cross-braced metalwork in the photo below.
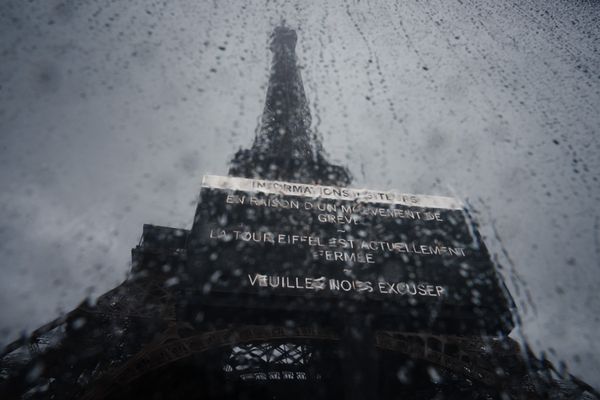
(270, 361)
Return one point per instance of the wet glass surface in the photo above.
(112, 112)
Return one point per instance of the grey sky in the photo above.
(110, 113)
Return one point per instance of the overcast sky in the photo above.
(111, 112)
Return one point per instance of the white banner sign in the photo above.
(330, 192)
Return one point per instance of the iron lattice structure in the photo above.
(270, 361)
(135, 341)
(285, 147)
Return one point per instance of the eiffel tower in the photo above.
(137, 340)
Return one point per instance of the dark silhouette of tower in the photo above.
(140, 340)
(285, 148)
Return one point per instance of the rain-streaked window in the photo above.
(341, 199)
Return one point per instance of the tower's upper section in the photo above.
(284, 38)
(285, 148)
